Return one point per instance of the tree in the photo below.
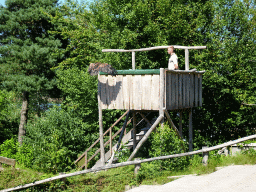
(26, 47)
(230, 80)
(226, 27)
(125, 25)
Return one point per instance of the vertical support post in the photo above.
(180, 124)
(85, 158)
(102, 151)
(137, 166)
(110, 137)
(134, 130)
(133, 60)
(162, 92)
(190, 131)
(205, 156)
(186, 59)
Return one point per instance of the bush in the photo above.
(165, 142)
(9, 148)
(53, 141)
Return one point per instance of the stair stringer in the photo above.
(125, 139)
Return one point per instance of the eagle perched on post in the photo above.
(95, 68)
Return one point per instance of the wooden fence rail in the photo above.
(204, 150)
(7, 161)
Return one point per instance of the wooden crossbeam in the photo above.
(154, 48)
(7, 161)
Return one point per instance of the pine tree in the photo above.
(26, 51)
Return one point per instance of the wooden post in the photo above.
(85, 160)
(180, 124)
(137, 166)
(110, 137)
(122, 132)
(102, 151)
(162, 91)
(159, 119)
(186, 59)
(134, 130)
(205, 156)
(133, 60)
(190, 131)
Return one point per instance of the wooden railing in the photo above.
(186, 48)
(204, 150)
(85, 154)
(83, 160)
(7, 161)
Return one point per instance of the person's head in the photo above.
(170, 49)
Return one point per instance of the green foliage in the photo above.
(9, 148)
(165, 142)
(26, 48)
(53, 141)
(9, 116)
(229, 81)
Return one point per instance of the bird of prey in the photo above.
(95, 68)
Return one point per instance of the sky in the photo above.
(79, 1)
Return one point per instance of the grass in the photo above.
(116, 179)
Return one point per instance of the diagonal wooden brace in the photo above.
(159, 119)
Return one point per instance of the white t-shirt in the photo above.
(173, 60)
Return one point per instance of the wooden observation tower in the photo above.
(140, 91)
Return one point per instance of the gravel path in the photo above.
(236, 178)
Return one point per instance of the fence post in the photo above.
(85, 157)
(110, 137)
(137, 167)
(205, 156)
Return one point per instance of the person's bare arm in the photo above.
(176, 66)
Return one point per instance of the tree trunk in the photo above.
(23, 116)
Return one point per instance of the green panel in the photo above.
(135, 72)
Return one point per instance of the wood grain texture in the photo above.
(168, 90)
(190, 131)
(176, 82)
(119, 92)
(196, 90)
(146, 92)
(200, 90)
(162, 92)
(154, 48)
(137, 92)
(130, 90)
(192, 90)
(155, 92)
(186, 59)
(180, 101)
(7, 161)
(125, 88)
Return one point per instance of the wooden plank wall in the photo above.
(183, 90)
(139, 92)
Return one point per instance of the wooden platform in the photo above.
(140, 89)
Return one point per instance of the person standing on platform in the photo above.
(173, 61)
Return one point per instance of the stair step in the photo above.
(138, 137)
(142, 133)
(145, 128)
(130, 144)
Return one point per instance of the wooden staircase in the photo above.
(127, 141)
